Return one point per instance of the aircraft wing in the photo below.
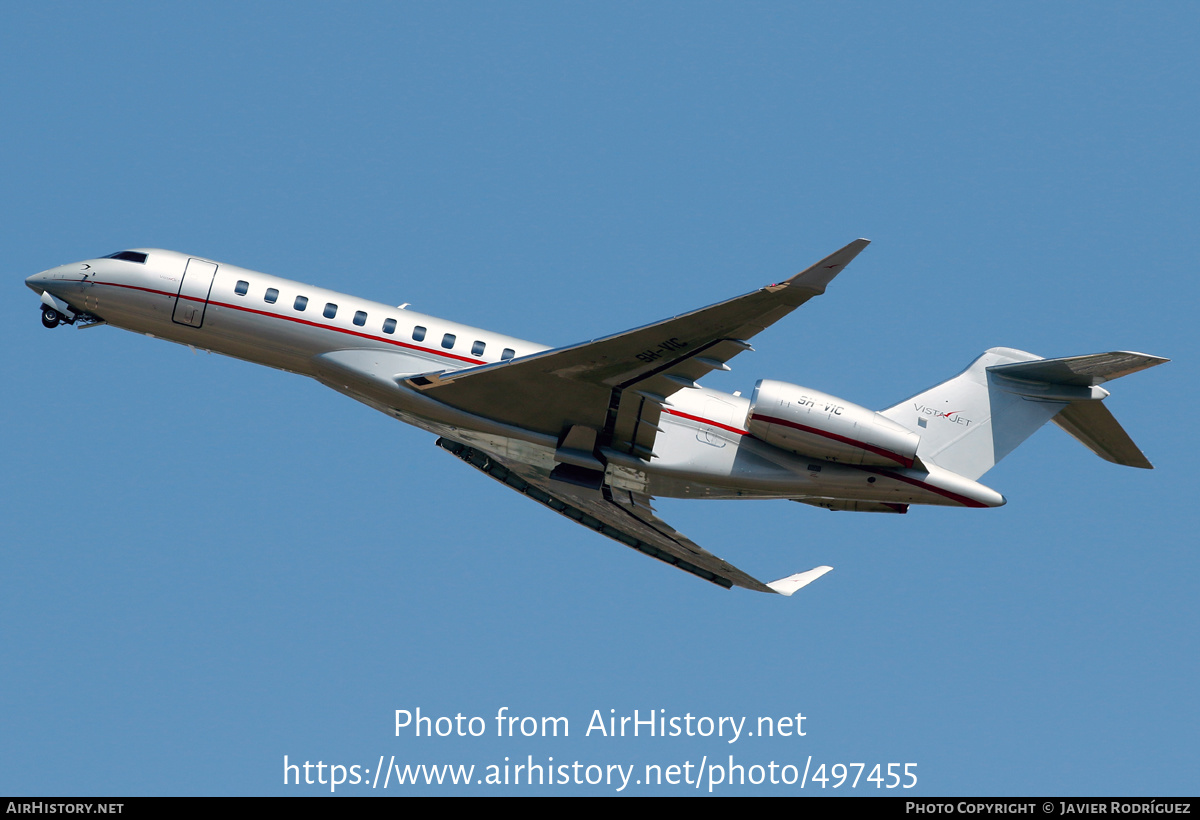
(615, 385)
(623, 516)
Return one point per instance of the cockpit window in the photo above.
(128, 256)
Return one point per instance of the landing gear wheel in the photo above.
(50, 317)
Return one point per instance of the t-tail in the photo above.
(969, 423)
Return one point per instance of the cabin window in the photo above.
(477, 348)
(418, 334)
(389, 325)
(301, 303)
(507, 354)
(330, 310)
(271, 296)
(448, 341)
(360, 318)
(241, 287)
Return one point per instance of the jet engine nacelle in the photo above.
(811, 423)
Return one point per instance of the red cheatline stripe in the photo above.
(303, 322)
(961, 499)
(879, 451)
(709, 422)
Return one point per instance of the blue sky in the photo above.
(208, 565)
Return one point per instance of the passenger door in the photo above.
(193, 292)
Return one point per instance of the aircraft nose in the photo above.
(38, 282)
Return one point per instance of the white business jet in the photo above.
(595, 430)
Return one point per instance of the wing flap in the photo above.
(635, 424)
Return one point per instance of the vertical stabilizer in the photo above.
(969, 423)
(966, 424)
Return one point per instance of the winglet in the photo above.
(788, 585)
(817, 276)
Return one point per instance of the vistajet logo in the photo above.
(952, 416)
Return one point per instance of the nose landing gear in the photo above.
(50, 316)
(54, 316)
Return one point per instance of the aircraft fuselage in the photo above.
(704, 449)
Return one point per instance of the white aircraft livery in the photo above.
(596, 430)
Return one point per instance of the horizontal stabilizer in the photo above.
(1081, 371)
(1089, 422)
(1093, 426)
(788, 585)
